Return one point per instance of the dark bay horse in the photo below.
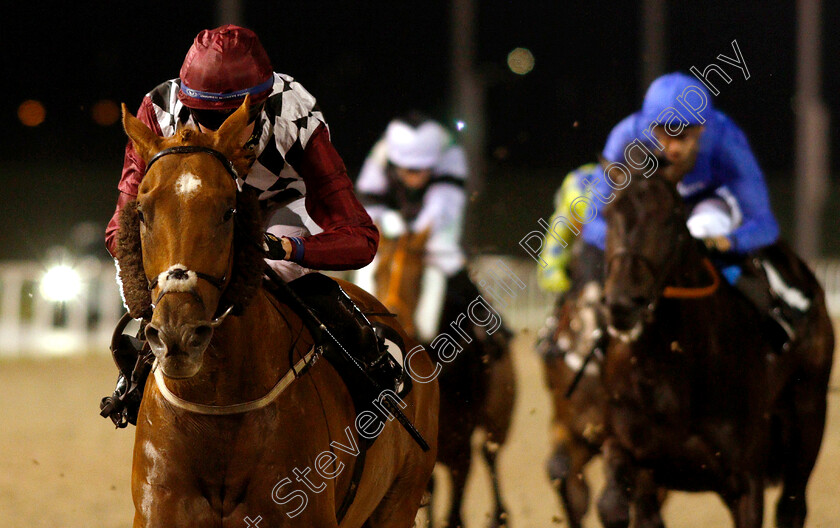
(578, 422)
(697, 398)
(477, 388)
(239, 425)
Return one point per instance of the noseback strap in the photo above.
(180, 279)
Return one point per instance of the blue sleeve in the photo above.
(595, 232)
(740, 172)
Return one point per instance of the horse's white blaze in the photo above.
(187, 185)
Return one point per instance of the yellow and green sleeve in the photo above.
(555, 276)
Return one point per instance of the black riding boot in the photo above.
(134, 365)
(781, 320)
(349, 328)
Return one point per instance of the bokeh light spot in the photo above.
(61, 283)
(31, 113)
(105, 112)
(520, 61)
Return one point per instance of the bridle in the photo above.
(670, 292)
(177, 273)
(191, 149)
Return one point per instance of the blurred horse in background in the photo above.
(477, 387)
(572, 350)
(698, 399)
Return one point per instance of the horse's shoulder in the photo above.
(284, 310)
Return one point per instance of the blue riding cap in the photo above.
(680, 92)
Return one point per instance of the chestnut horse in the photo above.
(220, 441)
(477, 390)
(697, 395)
(577, 422)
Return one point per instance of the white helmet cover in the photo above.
(415, 147)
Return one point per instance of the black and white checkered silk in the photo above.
(284, 127)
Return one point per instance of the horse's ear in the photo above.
(229, 133)
(146, 142)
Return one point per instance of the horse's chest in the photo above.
(648, 408)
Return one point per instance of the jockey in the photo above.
(314, 220)
(720, 181)
(413, 181)
(555, 276)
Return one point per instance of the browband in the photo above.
(191, 149)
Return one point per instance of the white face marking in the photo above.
(187, 185)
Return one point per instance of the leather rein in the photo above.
(673, 292)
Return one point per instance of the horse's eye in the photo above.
(141, 217)
(229, 214)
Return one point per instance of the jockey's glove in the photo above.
(273, 247)
(720, 244)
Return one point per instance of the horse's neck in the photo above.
(688, 270)
(245, 358)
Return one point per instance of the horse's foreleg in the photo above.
(800, 453)
(489, 450)
(647, 502)
(747, 508)
(565, 469)
(459, 471)
(497, 414)
(614, 503)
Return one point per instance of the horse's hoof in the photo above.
(500, 521)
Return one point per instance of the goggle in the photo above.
(213, 119)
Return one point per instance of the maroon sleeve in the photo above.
(349, 238)
(133, 169)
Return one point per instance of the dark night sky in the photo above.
(365, 62)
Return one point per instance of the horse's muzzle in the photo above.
(625, 313)
(179, 349)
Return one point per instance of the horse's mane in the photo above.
(248, 262)
(628, 197)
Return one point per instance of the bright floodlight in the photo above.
(460, 125)
(61, 283)
(520, 61)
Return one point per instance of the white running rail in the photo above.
(30, 325)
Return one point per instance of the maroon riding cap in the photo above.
(222, 67)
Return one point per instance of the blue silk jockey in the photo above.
(721, 183)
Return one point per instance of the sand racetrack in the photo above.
(61, 465)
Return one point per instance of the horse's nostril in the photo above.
(154, 338)
(201, 336)
(640, 301)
